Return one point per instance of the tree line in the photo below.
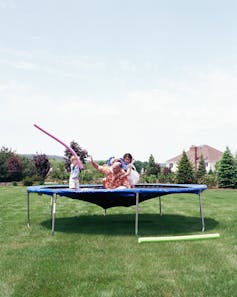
(40, 169)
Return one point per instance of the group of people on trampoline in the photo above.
(120, 173)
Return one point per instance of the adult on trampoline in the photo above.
(115, 177)
(128, 166)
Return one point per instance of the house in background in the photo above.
(210, 156)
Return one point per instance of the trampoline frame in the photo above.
(55, 191)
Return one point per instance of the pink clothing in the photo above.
(112, 180)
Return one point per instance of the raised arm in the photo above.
(94, 164)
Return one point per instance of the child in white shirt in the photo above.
(74, 174)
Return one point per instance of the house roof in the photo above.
(209, 153)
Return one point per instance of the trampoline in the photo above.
(107, 198)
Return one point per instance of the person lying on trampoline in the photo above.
(128, 166)
(115, 175)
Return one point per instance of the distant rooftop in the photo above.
(208, 153)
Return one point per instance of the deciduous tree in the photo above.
(42, 165)
(14, 168)
(5, 154)
(82, 154)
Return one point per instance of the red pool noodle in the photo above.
(66, 146)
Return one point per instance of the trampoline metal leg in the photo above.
(160, 205)
(201, 212)
(136, 218)
(51, 205)
(28, 209)
(54, 212)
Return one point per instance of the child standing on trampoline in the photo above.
(74, 174)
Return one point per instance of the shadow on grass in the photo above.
(124, 224)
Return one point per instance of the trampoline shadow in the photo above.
(124, 224)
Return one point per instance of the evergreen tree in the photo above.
(201, 172)
(152, 168)
(210, 171)
(185, 174)
(226, 170)
(235, 170)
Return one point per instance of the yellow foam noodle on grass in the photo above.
(178, 238)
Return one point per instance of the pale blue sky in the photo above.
(146, 77)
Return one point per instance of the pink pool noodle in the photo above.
(58, 140)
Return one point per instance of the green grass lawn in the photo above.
(96, 255)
